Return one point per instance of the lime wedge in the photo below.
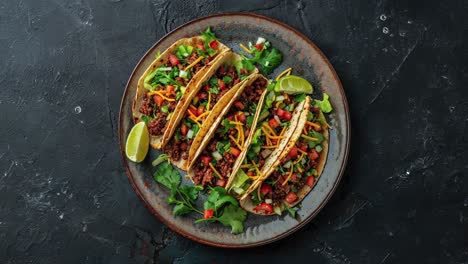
(137, 144)
(292, 84)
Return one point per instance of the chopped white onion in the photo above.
(183, 74)
(165, 69)
(250, 45)
(238, 190)
(267, 63)
(277, 119)
(287, 165)
(268, 201)
(260, 40)
(217, 156)
(279, 98)
(190, 134)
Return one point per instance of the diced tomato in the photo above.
(221, 182)
(293, 152)
(239, 105)
(267, 208)
(313, 155)
(200, 110)
(241, 117)
(174, 60)
(291, 197)
(259, 46)
(310, 181)
(273, 123)
(208, 213)
(202, 95)
(170, 89)
(287, 115)
(205, 160)
(265, 189)
(235, 152)
(251, 173)
(193, 110)
(200, 46)
(214, 44)
(280, 112)
(303, 147)
(206, 87)
(230, 118)
(183, 129)
(159, 100)
(221, 84)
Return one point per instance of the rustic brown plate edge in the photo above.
(302, 223)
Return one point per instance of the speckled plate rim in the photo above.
(304, 221)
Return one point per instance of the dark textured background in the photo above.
(64, 196)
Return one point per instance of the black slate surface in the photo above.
(64, 196)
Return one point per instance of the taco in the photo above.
(277, 122)
(286, 184)
(219, 84)
(224, 146)
(170, 81)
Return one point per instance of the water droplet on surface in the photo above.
(451, 109)
(77, 109)
(61, 216)
(383, 17)
(407, 173)
(385, 30)
(410, 22)
(402, 34)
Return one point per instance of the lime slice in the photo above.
(137, 144)
(292, 84)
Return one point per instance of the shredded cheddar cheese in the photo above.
(315, 125)
(283, 73)
(245, 48)
(235, 123)
(246, 166)
(301, 151)
(194, 63)
(235, 142)
(269, 147)
(202, 115)
(300, 158)
(299, 169)
(266, 126)
(282, 131)
(160, 94)
(289, 176)
(309, 138)
(215, 171)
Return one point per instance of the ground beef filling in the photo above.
(158, 124)
(279, 191)
(178, 149)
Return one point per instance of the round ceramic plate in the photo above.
(307, 61)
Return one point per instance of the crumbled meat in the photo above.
(157, 125)
(147, 106)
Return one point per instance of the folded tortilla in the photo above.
(157, 141)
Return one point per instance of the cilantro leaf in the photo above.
(292, 211)
(167, 176)
(181, 209)
(299, 98)
(191, 192)
(233, 216)
(146, 119)
(270, 60)
(227, 79)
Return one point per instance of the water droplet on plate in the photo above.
(385, 30)
(77, 109)
(383, 17)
